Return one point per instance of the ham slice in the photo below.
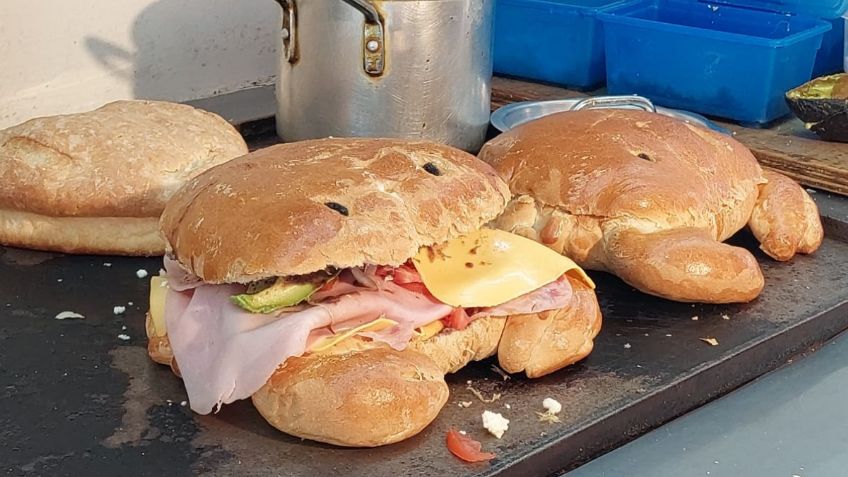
(552, 296)
(178, 278)
(226, 353)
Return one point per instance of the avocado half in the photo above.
(823, 106)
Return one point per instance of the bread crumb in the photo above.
(183, 403)
(59, 280)
(124, 327)
(465, 403)
(117, 310)
(694, 318)
(495, 423)
(463, 432)
(710, 341)
(107, 264)
(552, 405)
(725, 317)
(626, 345)
(141, 273)
(68, 315)
(129, 303)
(668, 335)
(506, 405)
(646, 334)
(123, 337)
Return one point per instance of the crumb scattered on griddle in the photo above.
(141, 273)
(626, 345)
(464, 403)
(107, 264)
(68, 315)
(710, 341)
(695, 318)
(118, 310)
(124, 337)
(668, 335)
(725, 317)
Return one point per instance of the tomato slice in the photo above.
(466, 448)
(406, 273)
(458, 319)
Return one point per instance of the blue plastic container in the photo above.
(733, 61)
(555, 41)
(832, 52)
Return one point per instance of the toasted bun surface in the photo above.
(96, 182)
(82, 235)
(541, 343)
(278, 211)
(629, 164)
(124, 159)
(362, 399)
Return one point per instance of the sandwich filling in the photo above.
(229, 339)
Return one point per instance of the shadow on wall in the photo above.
(190, 49)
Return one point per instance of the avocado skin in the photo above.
(817, 110)
(833, 128)
(822, 104)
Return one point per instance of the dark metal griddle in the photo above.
(75, 399)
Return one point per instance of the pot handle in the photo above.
(602, 102)
(289, 29)
(373, 37)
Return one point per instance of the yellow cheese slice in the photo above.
(428, 331)
(489, 268)
(158, 290)
(330, 341)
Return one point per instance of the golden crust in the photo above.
(451, 350)
(650, 199)
(647, 168)
(786, 220)
(361, 399)
(541, 343)
(124, 159)
(82, 235)
(278, 212)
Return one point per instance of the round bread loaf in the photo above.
(96, 182)
(650, 199)
(297, 208)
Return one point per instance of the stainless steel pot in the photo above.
(386, 68)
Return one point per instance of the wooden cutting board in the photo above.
(786, 146)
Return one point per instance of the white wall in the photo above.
(60, 56)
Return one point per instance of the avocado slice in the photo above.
(822, 104)
(280, 294)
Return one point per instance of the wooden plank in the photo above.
(785, 147)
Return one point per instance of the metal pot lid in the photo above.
(512, 115)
